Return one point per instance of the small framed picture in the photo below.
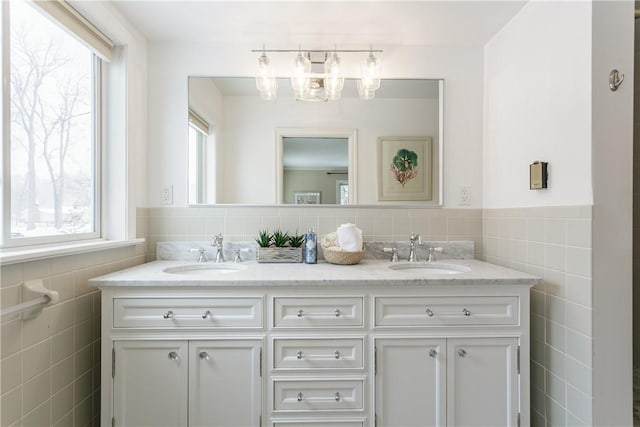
(404, 168)
(307, 198)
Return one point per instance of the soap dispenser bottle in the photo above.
(311, 248)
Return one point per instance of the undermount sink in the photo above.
(205, 269)
(429, 268)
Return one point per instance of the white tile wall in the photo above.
(553, 243)
(243, 223)
(49, 365)
(58, 352)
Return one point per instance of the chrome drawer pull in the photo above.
(337, 312)
(204, 355)
(337, 396)
(207, 314)
(429, 312)
(299, 314)
(433, 353)
(462, 353)
(337, 354)
(300, 397)
(173, 356)
(168, 315)
(466, 312)
(299, 355)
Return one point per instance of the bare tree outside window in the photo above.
(52, 137)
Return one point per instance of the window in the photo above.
(197, 158)
(201, 189)
(54, 127)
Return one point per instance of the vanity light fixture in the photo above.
(326, 81)
(265, 79)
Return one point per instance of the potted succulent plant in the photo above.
(279, 246)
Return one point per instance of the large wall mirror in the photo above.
(245, 150)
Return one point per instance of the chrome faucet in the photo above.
(412, 246)
(217, 243)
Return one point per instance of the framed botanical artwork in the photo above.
(306, 198)
(405, 168)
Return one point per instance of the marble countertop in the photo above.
(368, 272)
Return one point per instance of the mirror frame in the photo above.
(352, 140)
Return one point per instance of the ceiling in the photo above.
(314, 24)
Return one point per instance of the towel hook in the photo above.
(615, 80)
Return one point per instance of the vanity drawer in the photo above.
(443, 311)
(317, 395)
(315, 312)
(187, 312)
(340, 353)
(318, 423)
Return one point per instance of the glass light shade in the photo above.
(364, 93)
(300, 77)
(371, 73)
(265, 80)
(334, 77)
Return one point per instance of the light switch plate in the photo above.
(538, 175)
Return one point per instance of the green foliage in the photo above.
(405, 160)
(280, 238)
(296, 240)
(264, 239)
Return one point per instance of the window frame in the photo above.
(98, 89)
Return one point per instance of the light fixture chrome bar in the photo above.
(317, 50)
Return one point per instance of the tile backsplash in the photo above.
(243, 223)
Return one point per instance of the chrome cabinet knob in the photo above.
(204, 355)
(466, 312)
(337, 354)
(429, 312)
(207, 314)
(433, 353)
(300, 397)
(299, 314)
(462, 353)
(173, 356)
(337, 396)
(299, 354)
(168, 315)
(337, 312)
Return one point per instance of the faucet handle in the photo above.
(432, 253)
(201, 257)
(394, 253)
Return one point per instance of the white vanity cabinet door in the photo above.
(150, 383)
(410, 382)
(224, 383)
(482, 382)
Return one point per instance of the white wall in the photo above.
(249, 142)
(171, 63)
(612, 145)
(537, 106)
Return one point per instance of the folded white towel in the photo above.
(350, 238)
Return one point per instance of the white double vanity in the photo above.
(188, 344)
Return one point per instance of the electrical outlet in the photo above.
(464, 198)
(167, 195)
